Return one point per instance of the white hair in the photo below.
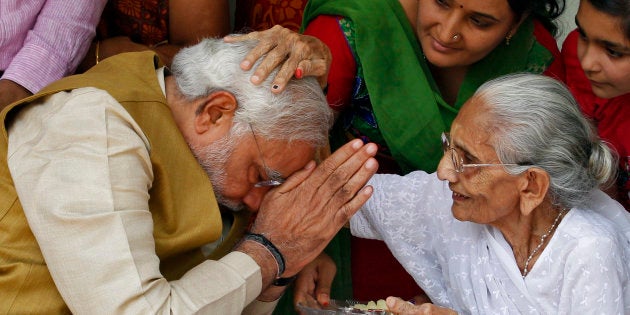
(299, 113)
(536, 121)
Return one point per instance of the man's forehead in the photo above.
(284, 157)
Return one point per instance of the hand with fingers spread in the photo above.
(301, 216)
(297, 55)
(312, 287)
(401, 307)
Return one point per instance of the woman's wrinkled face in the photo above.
(485, 195)
(480, 26)
(604, 51)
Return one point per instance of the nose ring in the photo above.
(456, 37)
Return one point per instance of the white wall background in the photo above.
(566, 22)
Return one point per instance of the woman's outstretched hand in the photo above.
(297, 55)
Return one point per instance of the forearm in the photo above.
(56, 44)
(192, 20)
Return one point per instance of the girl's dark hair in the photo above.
(543, 10)
(616, 8)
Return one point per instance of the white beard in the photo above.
(213, 159)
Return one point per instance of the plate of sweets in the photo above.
(346, 307)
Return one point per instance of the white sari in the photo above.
(470, 267)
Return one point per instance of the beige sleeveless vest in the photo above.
(185, 212)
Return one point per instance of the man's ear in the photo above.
(214, 115)
(533, 189)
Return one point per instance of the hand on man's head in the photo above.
(296, 55)
(304, 214)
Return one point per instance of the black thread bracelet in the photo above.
(261, 239)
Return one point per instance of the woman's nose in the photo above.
(450, 29)
(446, 169)
(588, 58)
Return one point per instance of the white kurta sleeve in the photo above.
(399, 203)
(412, 215)
(82, 171)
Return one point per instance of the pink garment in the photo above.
(42, 41)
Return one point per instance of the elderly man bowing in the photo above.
(113, 178)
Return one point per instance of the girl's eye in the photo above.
(613, 53)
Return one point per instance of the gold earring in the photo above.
(507, 39)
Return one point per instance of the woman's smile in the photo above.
(440, 47)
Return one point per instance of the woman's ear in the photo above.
(215, 114)
(533, 189)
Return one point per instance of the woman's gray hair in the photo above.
(299, 113)
(536, 121)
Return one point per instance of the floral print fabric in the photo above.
(260, 15)
(144, 21)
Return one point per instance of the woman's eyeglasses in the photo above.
(458, 161)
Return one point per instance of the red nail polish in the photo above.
(299, 73)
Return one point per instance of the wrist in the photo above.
(271, 248)
(278, 258)
(262, 257)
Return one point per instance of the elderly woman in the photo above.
(528, 231)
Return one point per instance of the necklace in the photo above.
(542, 241)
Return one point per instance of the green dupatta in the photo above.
(409, 109)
